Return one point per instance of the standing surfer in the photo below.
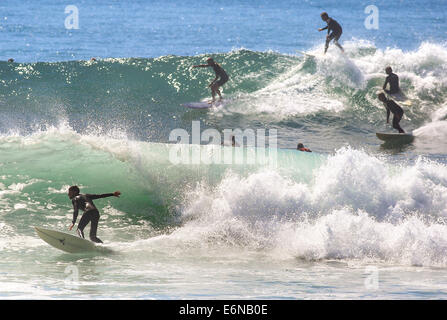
(395, 109)
(221, 77)
(334, 31)
(91, 213)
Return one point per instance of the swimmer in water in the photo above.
(301, 147)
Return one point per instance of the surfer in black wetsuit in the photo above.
(91, 213)
(392, 80)
(221, 77)
(395, 109)
(334, 31)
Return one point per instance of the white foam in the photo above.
(436, 129)
(422, 74)
(356, 207)
(293, 92)
(344, 234)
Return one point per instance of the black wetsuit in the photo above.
(397, 111)
(334, 29)
(393, 80)
(220, 72)
(91, 213)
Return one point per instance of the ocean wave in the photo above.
(348, 205)
(139, 94)
(356, 206)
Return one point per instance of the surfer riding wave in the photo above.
(220, 79)
(91, 213)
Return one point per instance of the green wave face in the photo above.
(104, 126)
(155, 178)
(143, 97)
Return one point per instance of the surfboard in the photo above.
(395, 137)
(198, 105)
(399, 97)
(306, 54)
(65, 241)
(203, 104)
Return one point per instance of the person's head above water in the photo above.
(324, 16)
(301, 147)
(210, 61)
(382, 97)
(388, 70)
(73, 191)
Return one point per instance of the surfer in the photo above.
(395, 109)
(393, 80)
(91, 213)
(334, 31)
(301, 147)
(221, 77)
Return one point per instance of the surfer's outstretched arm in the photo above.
(104, 195)
(91, 197)
(201, 66)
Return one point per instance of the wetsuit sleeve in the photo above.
(387, 113)
(99, 196)
(325, 28)
(75, 210)
(387, 80)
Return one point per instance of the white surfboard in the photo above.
(399, 97)
(395, 137)
(306, 54)
(65, 241)
(198, 105)
(204, 104)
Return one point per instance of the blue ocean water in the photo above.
(356, 218)
(35, 30)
